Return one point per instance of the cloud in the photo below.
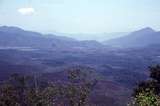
(26, 11)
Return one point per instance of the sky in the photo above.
(81, 16)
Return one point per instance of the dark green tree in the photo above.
(22, 90)
(152, 84)
(78, 88)
(148, 92)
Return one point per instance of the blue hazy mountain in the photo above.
(17, 37)
(117, 70)
(94, 36)
(140, 38)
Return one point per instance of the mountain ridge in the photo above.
(14, 36)
(140, 38)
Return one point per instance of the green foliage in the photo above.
(146, 99)
(25, 91)
(18, 92)
(145, 86)
(78, 89)
(148, 92)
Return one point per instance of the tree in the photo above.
(22, 90)
(8, 96)
(77, 91)
(148, 92)
(155, 73)
(152, 84)
(146, 99)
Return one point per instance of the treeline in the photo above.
(22, 90)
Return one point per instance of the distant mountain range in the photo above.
(94, 36)
(50, 56)
(140, 38)
(16, 37)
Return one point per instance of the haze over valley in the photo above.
(29, 52)
(79, 53)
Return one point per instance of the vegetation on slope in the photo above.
(27, 91)
(148, 92)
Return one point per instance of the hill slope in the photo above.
(140, 38)
(16, 37)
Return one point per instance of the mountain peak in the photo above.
(10, 29)
(146, 30)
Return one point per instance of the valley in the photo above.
(117, 70)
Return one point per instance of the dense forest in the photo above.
(22, 90)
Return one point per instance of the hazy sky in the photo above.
(81, 16)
